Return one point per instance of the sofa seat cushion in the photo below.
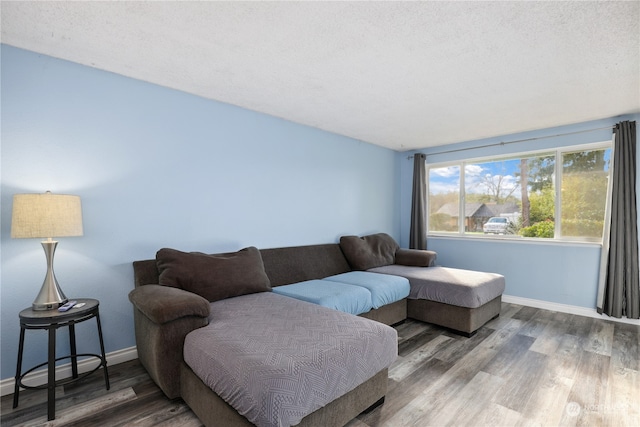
(385, 289)
(339, 296)
(462, 288)
(276, 359)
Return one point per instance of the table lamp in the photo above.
(47, 216)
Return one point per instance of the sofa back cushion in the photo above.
(213, 277)
(374, 250)
(299, 263)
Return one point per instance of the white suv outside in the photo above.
(496, 225)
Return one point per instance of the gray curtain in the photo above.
(418, 231)
(622, 286)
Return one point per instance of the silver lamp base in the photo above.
(50, 296)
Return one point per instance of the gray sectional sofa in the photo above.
(209, 327)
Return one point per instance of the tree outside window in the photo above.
(585, 176)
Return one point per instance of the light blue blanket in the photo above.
(339, 296)
(385, 289)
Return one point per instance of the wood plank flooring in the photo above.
(529, 367)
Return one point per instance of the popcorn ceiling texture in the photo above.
(404, 75)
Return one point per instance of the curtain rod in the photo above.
(502, 143)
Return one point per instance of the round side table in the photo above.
(51, 320)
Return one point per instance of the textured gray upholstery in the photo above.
(453, 286)
(299, 263)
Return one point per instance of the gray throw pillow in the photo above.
(213, 277)
(375, 250)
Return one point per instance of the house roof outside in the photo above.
(478, 210)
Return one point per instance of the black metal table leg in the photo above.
(104, 357)
(72, 344)
(16, 391)
(51, 367)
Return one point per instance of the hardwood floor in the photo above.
(529, 367)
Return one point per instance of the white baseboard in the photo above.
(64, 371)
(565, 308)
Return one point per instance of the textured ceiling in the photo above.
(404, 75)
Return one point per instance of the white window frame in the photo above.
(557, 152)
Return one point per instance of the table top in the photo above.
(31, 316)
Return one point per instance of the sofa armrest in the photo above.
(163, 316)
(162, 304)
(416, 257)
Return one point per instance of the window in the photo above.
(444, 184)
(585, 177)
(523, 195)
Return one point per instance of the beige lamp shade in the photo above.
(46, 215)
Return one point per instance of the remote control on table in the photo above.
(82, 304)
(67, 306)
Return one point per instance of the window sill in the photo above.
(513, 239)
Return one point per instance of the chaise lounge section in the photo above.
(460, 300)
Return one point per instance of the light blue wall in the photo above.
(555, 272)
(156, 167)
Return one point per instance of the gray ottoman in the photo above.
(462, 300)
